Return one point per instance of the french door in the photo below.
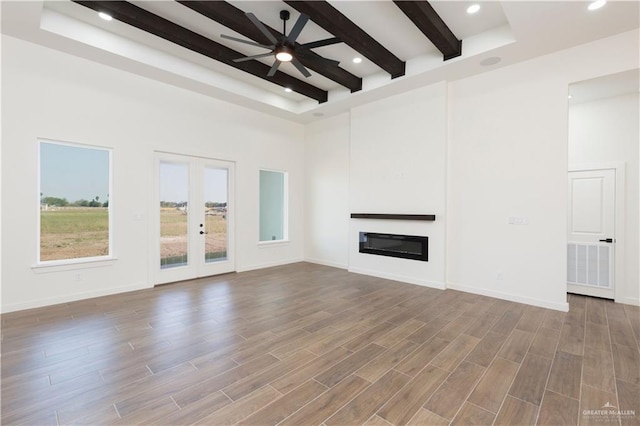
(591, 239)
(193, 218)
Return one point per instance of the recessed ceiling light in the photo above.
(286, 89)
(105, 16)
(357, 60)
(597, 4)
(474, 8)
(569, 97)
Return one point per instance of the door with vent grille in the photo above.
(591, 239)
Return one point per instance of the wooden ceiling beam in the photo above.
(135, 16)
(236, 20)
(332, 20)
(423, 16)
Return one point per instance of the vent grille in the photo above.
(589, 264)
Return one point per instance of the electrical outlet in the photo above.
(518, 220)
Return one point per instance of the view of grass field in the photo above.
(78, 232)
(174, 237)
(74, 232)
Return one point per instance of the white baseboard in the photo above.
(268, 264)
(396, 277)
(629, 301)
(326, 263)
(39, 303)
(563, 307)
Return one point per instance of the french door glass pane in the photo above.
(174, 219)
(215, 213)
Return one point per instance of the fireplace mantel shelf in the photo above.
(385, 216)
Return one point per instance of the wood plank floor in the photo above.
(305, 344)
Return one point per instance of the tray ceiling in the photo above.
(402, 45)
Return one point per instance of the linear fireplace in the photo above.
(404, 246)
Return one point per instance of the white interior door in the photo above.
(194, 218)
(591, 239)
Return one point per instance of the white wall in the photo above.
(384, 157)
(397, 165)
(327, 191)
(508, 157)
(48, 94)
(605, 131)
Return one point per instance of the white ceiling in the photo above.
(618, 84)
(513, 31)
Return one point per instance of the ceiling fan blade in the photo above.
(248, 58)
(320, 43)
(296, 63)
(297, 28)
(261, 27)
(274, 68)
(309, 56)
(252, 43)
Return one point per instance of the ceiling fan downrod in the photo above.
(284, 15)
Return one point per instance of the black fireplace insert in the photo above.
(404, 246)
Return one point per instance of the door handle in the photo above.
(607, 240)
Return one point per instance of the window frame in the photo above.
(82, 262)
(285, 208)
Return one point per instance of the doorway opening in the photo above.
(603, 187)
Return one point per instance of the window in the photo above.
(273, 206)
(75, 208)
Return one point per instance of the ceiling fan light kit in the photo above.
(284, 53)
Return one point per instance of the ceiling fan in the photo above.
(284, 48)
